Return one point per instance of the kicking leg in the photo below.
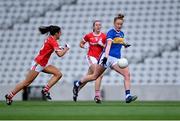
(90, 71)
(98, 71)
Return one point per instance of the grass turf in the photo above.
(90, 110)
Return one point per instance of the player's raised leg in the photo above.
(97, 97)
(98, 71)
(90, 71)
(50, 69)
(127, 83)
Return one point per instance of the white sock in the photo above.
(127, 95)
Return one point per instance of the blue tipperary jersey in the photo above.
(117, 41)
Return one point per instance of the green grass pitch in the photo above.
(90, 110)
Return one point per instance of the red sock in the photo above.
(98, 93)
(46, 88)
(11, 95)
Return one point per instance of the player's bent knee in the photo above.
(95, 76)
(58, 74)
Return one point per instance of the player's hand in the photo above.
(86, 46)
(104, 60)
(126, 45)
(67, 46)
(100, 43)
(61, 47)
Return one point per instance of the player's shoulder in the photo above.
(51, 39)
(103, 34)
(122, 33)
(111, 30)
(90, 34)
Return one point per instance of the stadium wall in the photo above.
(4, 89)
(63, 91)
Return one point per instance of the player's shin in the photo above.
(97, 86)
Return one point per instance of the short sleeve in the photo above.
(110, 35)
(54, 44)
(86, 38)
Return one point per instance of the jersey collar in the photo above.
(116, 30)
(97, 35)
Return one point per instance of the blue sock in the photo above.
(79, 83)
(127, 93)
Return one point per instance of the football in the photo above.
(123, 62)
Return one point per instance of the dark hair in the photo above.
(120, 16)
(52, 29)
(94, 22)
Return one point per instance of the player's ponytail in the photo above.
(51, 29)
(44, 29)
(120, 16)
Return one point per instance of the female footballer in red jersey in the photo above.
(96, 41)
(40, 63)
